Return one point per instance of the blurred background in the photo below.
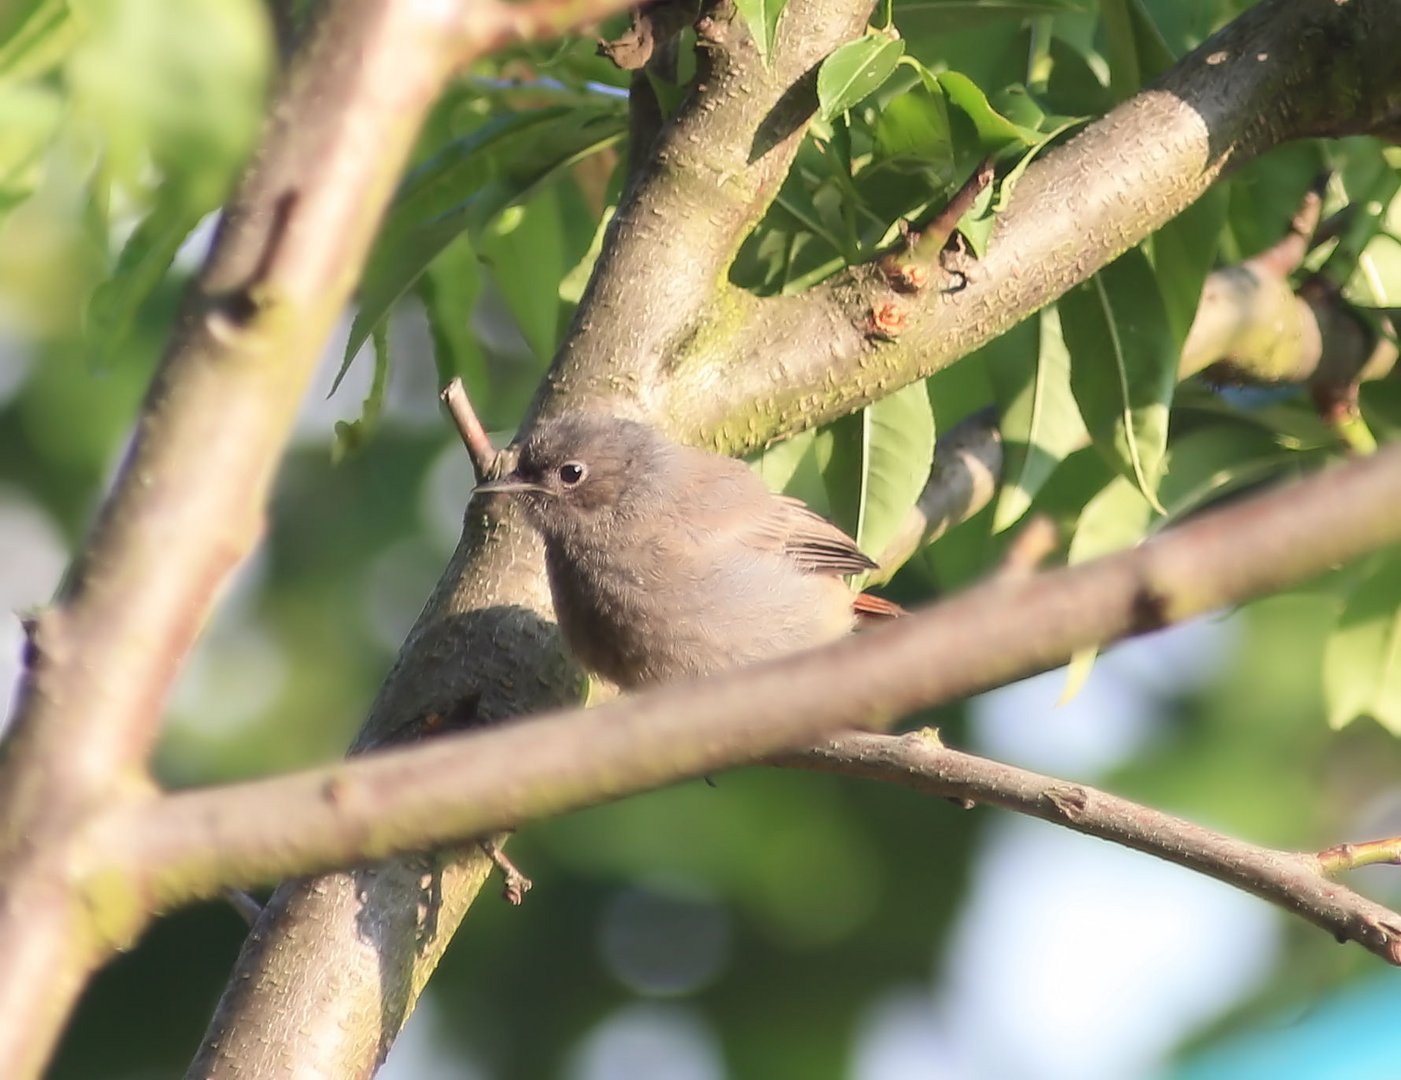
(778, 925)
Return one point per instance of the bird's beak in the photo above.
(509, 484)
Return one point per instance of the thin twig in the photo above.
(474, 436)
(514, 884)
(1032, 546)
(1295, 881)
(1334, 860)
(247, 908)
(1287, 254)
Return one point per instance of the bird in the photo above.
(666, 561)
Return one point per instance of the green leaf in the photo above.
(1073, 86)
(761, 16)
(524, 254)
(1029, 368)
(1115, 519)
(32, 115)
(1123, 366)
(949, 16)
(1213, 461)
(878, 464)
(463, 189)
(1134, 47)
(792, 467)
(35, 36)
(353, 434)
(449, 289)
(141, 267)
(995, 132)
(1362, 660)
(913, 132)
(1183, 254)
(178, 86)
(854, 71)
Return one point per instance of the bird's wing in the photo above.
(813, 542)
(734, 502)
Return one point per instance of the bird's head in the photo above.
(583, 470)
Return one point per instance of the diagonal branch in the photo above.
(1296, 881)
(188, 502)
(1250, 87)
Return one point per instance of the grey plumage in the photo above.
(666, 561)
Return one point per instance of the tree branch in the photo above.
(188, 502)
(1296, 881)
(190, 844)
(474, 436)
(1074, 210)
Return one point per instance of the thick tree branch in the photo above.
(661, 277)
(1296, 881)
(1250, 87)
(188, 502)
(190, 844)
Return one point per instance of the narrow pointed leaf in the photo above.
(1117, 518)
(463, 189)
(761, 16)
(1029, 368)
(1123, 366)
(1362, 660)
(855, 70)
(1184, 252)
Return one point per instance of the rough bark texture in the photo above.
(188, 501)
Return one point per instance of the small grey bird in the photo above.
(666, 561)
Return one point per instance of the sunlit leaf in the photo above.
(351, 435)
(1362, 660)
(1212, 461)
(1029, 368)
(35, 36)
(1135, 48)
(913, 132)
(1184, 253)
(449, 289)
(463, 189)
(524, 254)
(1115, 519)
(793, 467)
(1123, 366)
(142, 265)
(949, 16)
(32, 118)
(761, 16)
(855, 70)
(878, 464)
(995, 132)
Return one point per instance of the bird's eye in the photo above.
(572, 473)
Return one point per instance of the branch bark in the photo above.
(1245, 90)
(187, 503)
(1297, 881)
